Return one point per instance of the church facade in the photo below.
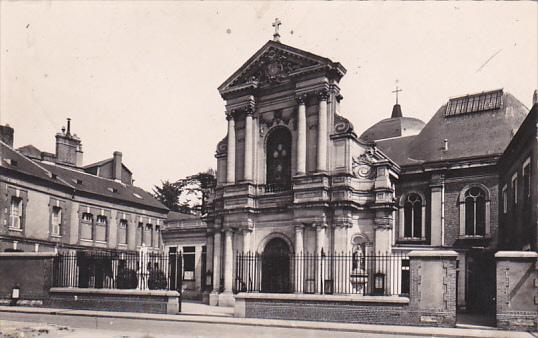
(292, 174)
(294, 179)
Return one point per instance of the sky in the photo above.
(141, 77)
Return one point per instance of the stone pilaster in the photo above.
(301, 135)
(322, 132)
(437, 227)
(213, 299)
(230, 159)
(248, 147)
(299, 265)
(226, 298)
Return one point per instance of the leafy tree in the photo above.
(168, 194)
(188, 195)
(200, 186)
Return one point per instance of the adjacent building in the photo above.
(51, 201)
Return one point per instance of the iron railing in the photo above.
(336, 273)
(118, 270)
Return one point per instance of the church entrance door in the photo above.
(276, 267)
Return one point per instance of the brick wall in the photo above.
(32, 272)
(432, 299)
(517, 290)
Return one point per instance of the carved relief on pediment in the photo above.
(363, 165)
(273, 66)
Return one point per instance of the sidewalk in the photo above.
(199, 313)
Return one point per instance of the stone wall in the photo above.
(517, 290)
(31, 272)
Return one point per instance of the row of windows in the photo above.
(474, 209)
(90, 230)
(474, 103)
(524, 182)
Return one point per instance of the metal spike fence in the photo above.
(111, 270)
(336, 273)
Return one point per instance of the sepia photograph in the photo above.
(268, 169)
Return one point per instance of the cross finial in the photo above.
(397, 90)
(276, 24)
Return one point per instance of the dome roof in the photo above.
(395, 126)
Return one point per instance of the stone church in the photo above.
(294, 177)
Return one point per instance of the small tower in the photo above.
(68, 147)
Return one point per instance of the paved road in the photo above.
(77, 327)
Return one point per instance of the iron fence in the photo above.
(335, 273)
(121, 270)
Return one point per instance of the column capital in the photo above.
(320, 226)
(323, 95)
(228, 231)
(299, 227)
(229, 117)
(301, 98)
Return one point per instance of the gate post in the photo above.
(517, 290)
(433, 287)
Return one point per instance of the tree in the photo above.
(168, 195)
(200, 186)
(188, 195)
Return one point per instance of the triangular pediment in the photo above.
(274, 63)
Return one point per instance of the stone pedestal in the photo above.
(226, 299)
(517, 290)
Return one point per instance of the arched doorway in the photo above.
(276, 266)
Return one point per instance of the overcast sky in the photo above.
(141, 77)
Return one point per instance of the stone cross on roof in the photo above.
(276, 24)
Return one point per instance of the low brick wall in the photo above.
(432, 299)
(517, 290)
(31, 272)
(147, 301)
(350, 309)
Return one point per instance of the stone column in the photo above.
(228, 260)
(246, 240)
(320, 245)
(227, 298)
(248, 147)
(322, 132)
(301, 135)
(213, 298)
(299, 252)
(230, 159)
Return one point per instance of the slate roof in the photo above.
(486, 133)
(103, 162)
(12, 159)
(104, 187)
(174, 216)
(69, 178)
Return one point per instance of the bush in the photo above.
(157, 280)
(127, 279)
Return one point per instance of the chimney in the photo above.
(116, 169)
(68, 147)
(6, 134)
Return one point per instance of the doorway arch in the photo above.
(276, 266)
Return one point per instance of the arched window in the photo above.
(413, 216)
(278, 159)
(475, 212)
